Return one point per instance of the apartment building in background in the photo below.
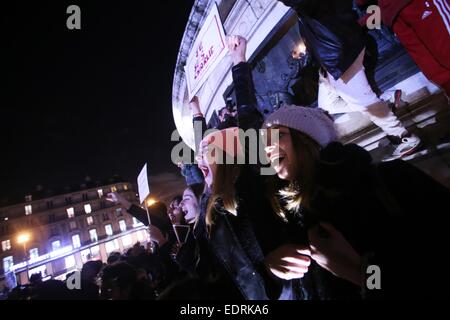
(55, 235)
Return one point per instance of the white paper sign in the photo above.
(208, 50)
(143, 186)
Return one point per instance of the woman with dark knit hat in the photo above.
(355, 213)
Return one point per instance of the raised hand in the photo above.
(112, 197)
(237, 46)
(115, 198)
(194, 105)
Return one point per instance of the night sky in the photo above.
(95, 101)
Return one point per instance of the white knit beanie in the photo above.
(311, 121)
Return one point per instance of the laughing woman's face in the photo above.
(189, 206)
(205, 164)
(281, 153)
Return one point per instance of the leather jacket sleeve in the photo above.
(248, 115)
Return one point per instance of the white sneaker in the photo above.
(406, 146)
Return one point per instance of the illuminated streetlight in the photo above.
(151, 202)
(23, 239)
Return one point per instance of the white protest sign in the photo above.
(143, 186)
(208, 50)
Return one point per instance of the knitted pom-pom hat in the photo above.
(313, 122)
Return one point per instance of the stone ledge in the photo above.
(429, 118)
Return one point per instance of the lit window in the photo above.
(100, 193)
(136, 222)
(28, 210)
(85, 255)
(113, 189)
(125, 187)
(122, 225)
(8, 262)
(141, 235)
(29, 198)
(111, 246)
(108, 230)
(90, 221)
(93, 235)
(95, 252)
(56, 245)
(127, 241)
(87, 208)
(39, 270)
(6, 245)
(70, 262)
(34, 253)
(72, 225)
(6, 219)
(70, 212)
(76, 241)
(119, 212)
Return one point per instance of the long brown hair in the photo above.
(223, 191)
(301, 190)
(197, 189)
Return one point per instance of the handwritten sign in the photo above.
(143, 186)
(208, 50)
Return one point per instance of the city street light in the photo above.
(151, 202)
(23, 239)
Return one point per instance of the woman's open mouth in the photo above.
(277, 159)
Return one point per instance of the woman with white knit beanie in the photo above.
(354, 213)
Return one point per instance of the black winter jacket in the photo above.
(330, 31)
(392, 212)
(237, 245)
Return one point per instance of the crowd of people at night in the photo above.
(310, 231)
